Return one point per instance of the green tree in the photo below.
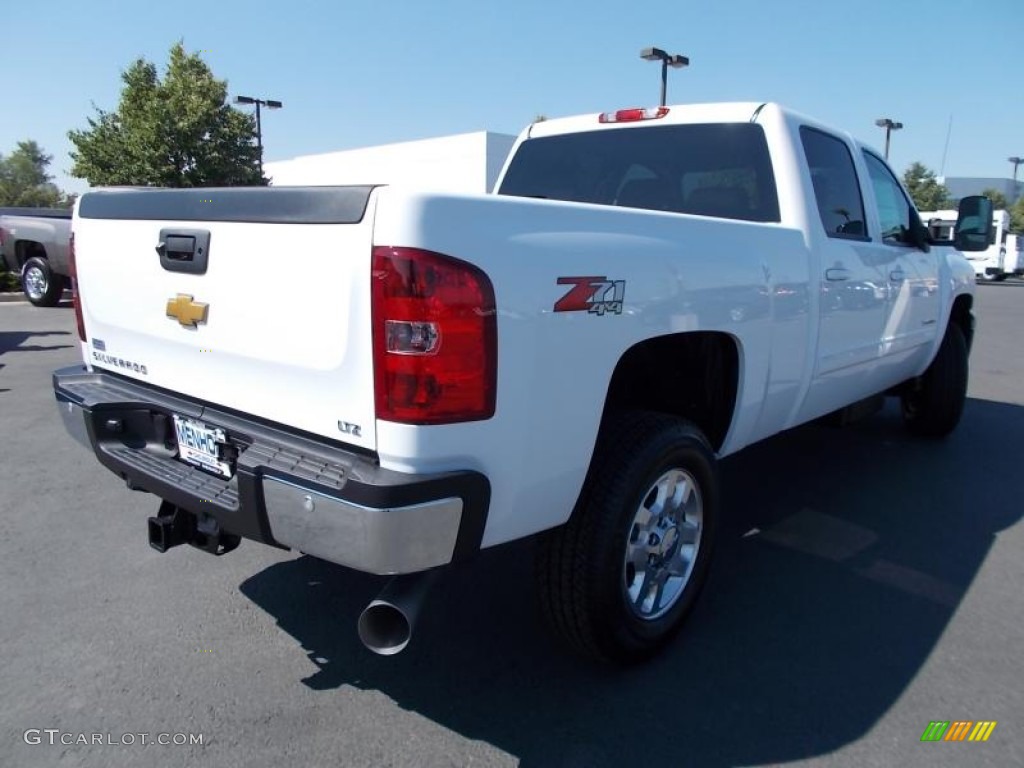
(926, 191)
(174, 132)
(999, 201)
(25, 181)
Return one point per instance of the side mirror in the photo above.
(919, 233)
(973, 224)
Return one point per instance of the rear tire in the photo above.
(618, 580)
(933, 404)
(41, 286)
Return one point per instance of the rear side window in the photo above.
(721, 170)
(836, 188)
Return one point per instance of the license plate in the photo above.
(200, 445)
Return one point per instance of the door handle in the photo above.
(897, 275)
(837, 273)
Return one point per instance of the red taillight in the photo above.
(630, 115)
(435, 338)
(75, 301)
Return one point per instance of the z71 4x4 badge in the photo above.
(592, 294)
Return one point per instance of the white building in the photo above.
(467, 162)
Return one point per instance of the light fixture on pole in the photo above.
(667, 60)
(269, 104)
(1016, 161)
(890, 126)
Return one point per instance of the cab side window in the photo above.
(893, 206)
(836, 188)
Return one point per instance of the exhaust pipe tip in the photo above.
(385, 625)
(384, 628)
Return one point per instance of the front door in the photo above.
(913, 279)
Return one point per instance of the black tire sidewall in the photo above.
(677, 446)
(935, 409)
(54, 283)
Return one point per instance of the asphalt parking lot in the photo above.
(867, 584)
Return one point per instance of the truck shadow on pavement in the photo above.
(11, 341)
(843, 556)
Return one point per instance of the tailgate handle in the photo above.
(178, 248)
(184, 250)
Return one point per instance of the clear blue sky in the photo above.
(359, 74)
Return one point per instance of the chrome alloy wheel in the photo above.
(662, 544)
(35, 283)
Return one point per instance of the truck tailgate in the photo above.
(275, 324)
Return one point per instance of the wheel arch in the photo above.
(27, 249)
(962, 316)
(693, 375)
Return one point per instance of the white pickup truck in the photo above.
(392, 379)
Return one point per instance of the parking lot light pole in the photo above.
(1016, 161)
(890, 126)
(269, 104)
(667, 60)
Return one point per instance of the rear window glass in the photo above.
(836, 188)
(719, 170)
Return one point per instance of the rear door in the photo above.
(853, 278)
(253, 299)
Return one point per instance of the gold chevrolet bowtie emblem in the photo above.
(186, 311)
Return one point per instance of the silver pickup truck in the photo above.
(34, 245)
